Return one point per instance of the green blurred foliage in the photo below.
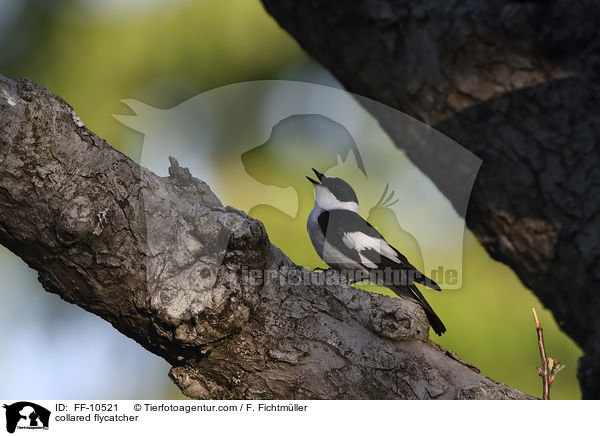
(167, 52)
(161, 54)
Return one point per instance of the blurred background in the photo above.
(94, 53)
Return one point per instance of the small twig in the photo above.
(543, 372)
(550, 367)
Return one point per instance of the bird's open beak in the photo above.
(319, 176)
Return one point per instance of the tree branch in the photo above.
(144, 253)
(513, 82)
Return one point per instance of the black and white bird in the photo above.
(347, 242)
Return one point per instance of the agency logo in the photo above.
(254, 143)
(26, 415)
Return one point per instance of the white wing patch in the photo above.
(331, 255)
(359, 241)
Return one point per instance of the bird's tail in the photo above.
(436, 323)
(411, 292)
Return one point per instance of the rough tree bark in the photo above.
(138, 250)
(512, 81)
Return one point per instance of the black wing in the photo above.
(332, 224)
(360, 241)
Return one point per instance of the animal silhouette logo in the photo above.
(383, 217)
(26, 415)
(254, 142)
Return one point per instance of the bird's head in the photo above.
(333, 193)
